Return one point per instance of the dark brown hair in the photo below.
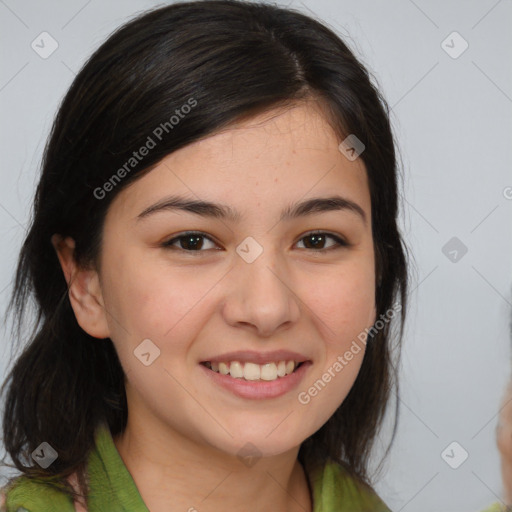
(235, 59)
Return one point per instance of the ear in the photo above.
(84, 290)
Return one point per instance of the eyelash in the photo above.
(340, 242)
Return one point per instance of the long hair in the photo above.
(234, 59)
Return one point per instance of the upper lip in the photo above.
(249, 356)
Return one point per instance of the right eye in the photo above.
(191, 241)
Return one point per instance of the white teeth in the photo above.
(253, 371)
(269, 371)
(236, 370)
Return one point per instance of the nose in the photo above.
(261, 296)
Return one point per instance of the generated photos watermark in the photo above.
(304, 397)
(151, 142)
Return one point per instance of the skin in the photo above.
(184, 432)
(504, 441)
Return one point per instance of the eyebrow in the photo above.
(220, 211)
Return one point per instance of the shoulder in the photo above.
(27, 495)
(497, 507)
(337, 490)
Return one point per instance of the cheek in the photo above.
(504, 439)
(344, 301)
(344, 308)
(154, 294)
(167, 306)
(153, 301)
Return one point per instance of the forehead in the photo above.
(279, 156)
(275, 135)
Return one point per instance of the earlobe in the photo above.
(84, 290)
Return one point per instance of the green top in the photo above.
(497, 507)
(112, 487)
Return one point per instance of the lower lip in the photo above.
(259, 389)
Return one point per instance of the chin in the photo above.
(258, 446)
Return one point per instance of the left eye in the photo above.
(319, 237)
(193, 242)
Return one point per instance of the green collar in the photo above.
(111, 485)
(113, 488)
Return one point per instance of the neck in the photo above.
(169, 468)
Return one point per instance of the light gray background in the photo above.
(452, 118)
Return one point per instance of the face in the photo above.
(254, 292)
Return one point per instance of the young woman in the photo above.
(217, 267)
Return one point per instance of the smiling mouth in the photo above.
(254, 372)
